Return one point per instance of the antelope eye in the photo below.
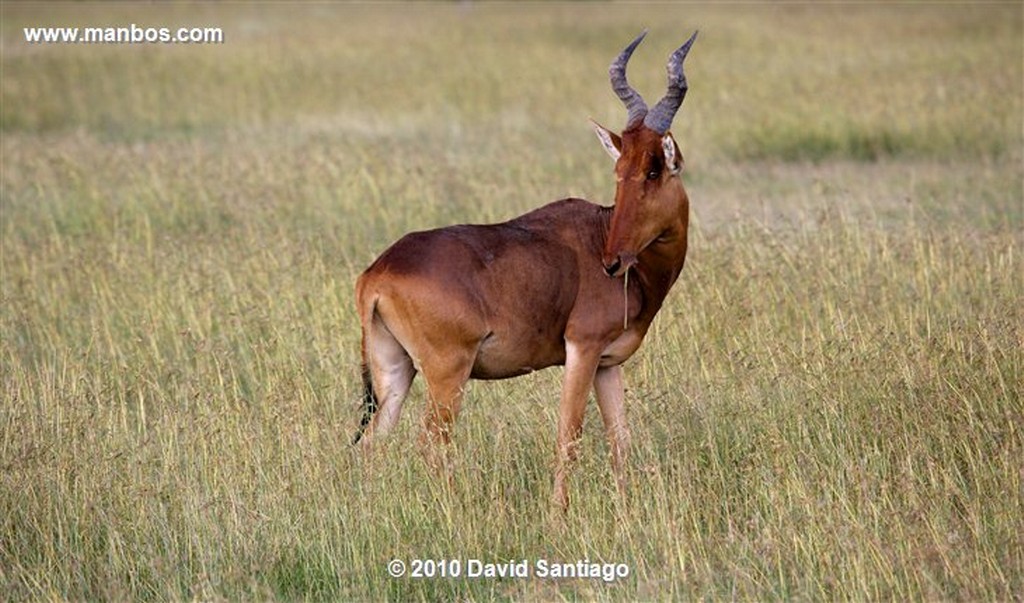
(653, 174)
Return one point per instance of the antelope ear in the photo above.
(609, 140)
(673, 158)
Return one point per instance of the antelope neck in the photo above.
(659, 264)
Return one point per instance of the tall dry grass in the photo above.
(829, 406)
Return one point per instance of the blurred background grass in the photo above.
(836, 86)
(828, 407)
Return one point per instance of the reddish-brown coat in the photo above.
(571, 283)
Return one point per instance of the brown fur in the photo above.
(500, 300)
(496, 301)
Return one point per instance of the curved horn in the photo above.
(635, 104)
(660, 118)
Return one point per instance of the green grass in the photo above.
(828, 407)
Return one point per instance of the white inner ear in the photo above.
(668, 146)
(606, 141)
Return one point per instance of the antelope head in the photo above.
(649, 193)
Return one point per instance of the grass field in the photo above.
(829, 407)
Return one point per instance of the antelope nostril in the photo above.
(613, 268)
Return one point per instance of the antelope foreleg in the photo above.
(611, 400)
(580, 365)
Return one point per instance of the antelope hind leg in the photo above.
(446, 376)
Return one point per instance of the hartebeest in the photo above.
(571, 283)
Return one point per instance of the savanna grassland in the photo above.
(829, 407)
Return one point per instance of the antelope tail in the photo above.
(369, 404)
